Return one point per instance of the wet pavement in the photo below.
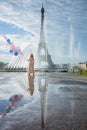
(51, 101)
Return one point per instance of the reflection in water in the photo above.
(12, 101)
(72, 112)
(31, 84)
(62, 109)
(41, 83)
(42, 89)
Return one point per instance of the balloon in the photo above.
(13, 47)
(12, 101)
(11, 51)
(16, 53)
(8, 40)
(8, 110)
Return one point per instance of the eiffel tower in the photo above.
(44, 59)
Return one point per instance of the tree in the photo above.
(2, 64)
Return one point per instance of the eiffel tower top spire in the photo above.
(42, 9)
(42, 14)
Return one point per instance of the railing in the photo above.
(36, 69)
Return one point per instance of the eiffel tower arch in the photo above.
(44, 58)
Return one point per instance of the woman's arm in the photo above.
(28, 59)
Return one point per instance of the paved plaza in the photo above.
(51, 101)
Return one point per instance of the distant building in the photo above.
(66, 66)
(82, 66)
(56, 66)
(63, 66)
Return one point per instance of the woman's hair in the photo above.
(31, 55)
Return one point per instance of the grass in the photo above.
(81, 72)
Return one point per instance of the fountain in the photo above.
(43, 58)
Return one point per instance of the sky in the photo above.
(65, 28)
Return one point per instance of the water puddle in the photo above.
(41, 102)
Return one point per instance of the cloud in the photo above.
(59, 16)
(20, 18)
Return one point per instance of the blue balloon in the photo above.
(8, 110)
(16, 53)
(8, 40)
(11, 51)
(10, 99)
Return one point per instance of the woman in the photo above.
(31, 65)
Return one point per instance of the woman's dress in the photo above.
(31, 65)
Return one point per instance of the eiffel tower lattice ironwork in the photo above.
(44, 59)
